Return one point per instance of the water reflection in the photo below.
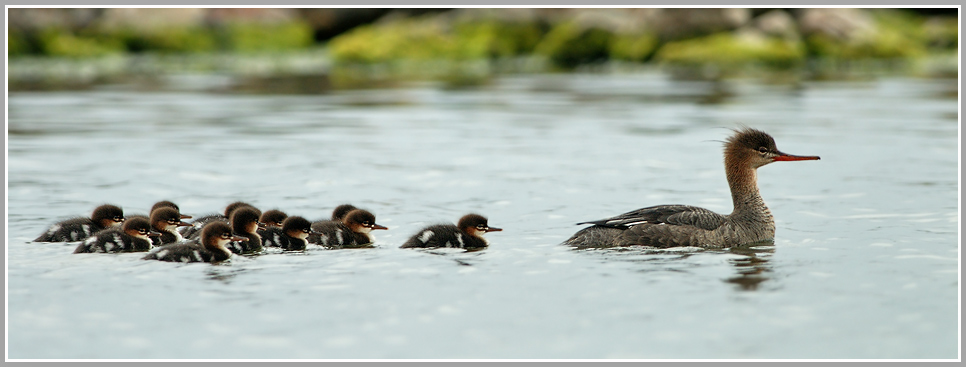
(462, 257)
(752, 268)
(222, 272)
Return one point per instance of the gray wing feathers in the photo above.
(682, 215)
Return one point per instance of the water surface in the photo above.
(864, 264)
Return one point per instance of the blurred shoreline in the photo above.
(51, 49)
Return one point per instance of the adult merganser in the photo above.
(351, 232)
(683, 225)
(166, 220)
(290, 236)
(244, 223)
(76, 229)
(209, 248)
(133, 236)
(195, 230)
(467, 234)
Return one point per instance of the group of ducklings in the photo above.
(243, 229)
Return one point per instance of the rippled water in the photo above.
(865, 263)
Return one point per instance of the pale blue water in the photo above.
(865, 263)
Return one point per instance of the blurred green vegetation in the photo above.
(94, 42)
(467, 50)
(730, 49)
(899, 35)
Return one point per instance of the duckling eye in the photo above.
(365, 224)
(118, 218)
(225, 236)
(172, 221)
(481, 227)
(143, 231)
(762, 150)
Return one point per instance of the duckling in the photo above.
(80, 228)
(273, 218)
(195, 230)
(351, 232)
(337, 214)
(467, 234)
(134, 236)
(209, 248)
(161, 204)
(166, 220)
(290, 236)
(244, 223)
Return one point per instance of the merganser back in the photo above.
(195, 230)
(166, 220)
(466, 234)
(244, 223)
(209, 248)
(683, 225)
(351, 232)
(133, 236)
(80, 228)
(290, 236)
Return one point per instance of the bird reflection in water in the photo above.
(752, 269)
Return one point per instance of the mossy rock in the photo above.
(58, 42)
(168, 40)
(496, 39)
(730, 49)
(255, 37)
(898, 34)
(633, 47)
(942, 33)
(429, 38)
(386, 42)
(568, 45)
(17, 44)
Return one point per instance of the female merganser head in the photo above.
(352, 232)
(244, 223)
(134, 236)
(467, 233)
(211, 247)
(292, 235)
(682, 225)
(273, 218)
(76, 229)
(166, 220)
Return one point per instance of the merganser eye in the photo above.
(481, 227)
(763, 149)
(143, 231)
